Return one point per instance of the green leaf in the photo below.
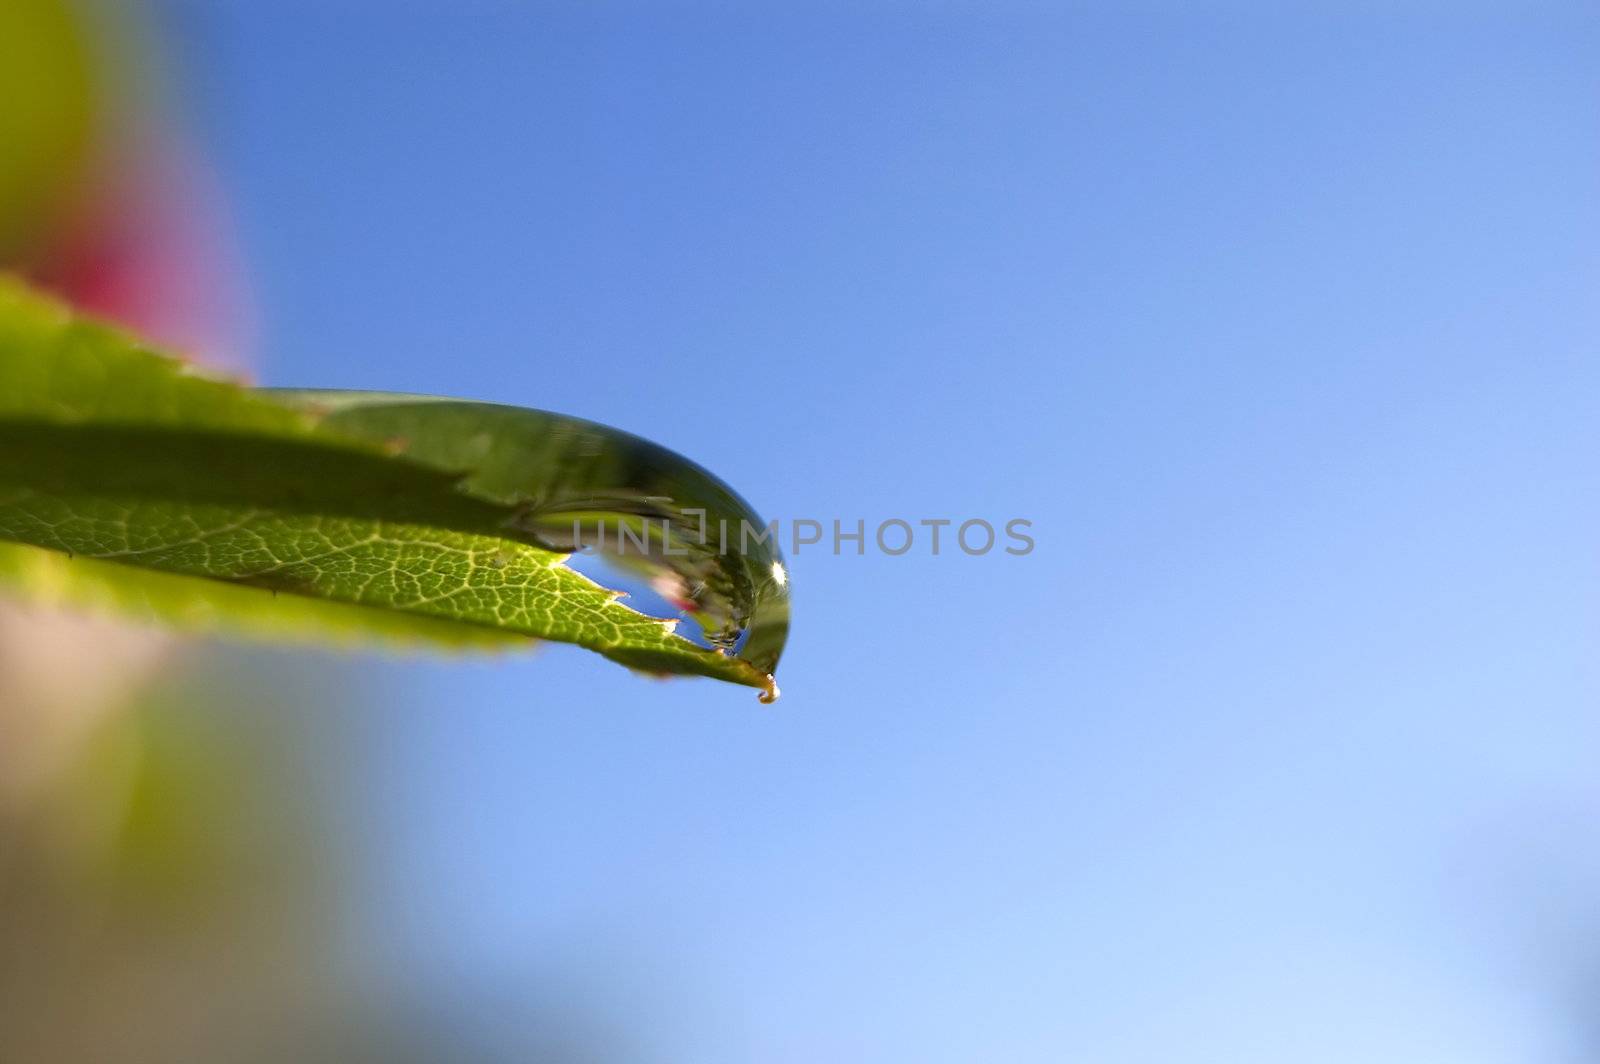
(203, 503)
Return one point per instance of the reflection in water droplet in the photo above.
(668, 571)
(652, 596)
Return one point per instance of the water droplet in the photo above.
(638, 517)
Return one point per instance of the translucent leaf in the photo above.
(203, 503)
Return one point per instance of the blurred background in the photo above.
(1279, 325)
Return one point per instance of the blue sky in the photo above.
(1278, 326)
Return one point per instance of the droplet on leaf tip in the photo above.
(770, 693)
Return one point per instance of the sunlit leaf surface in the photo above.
(203, 503)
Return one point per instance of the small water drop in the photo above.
(770, 693)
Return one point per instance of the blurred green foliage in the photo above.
(50, 97)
